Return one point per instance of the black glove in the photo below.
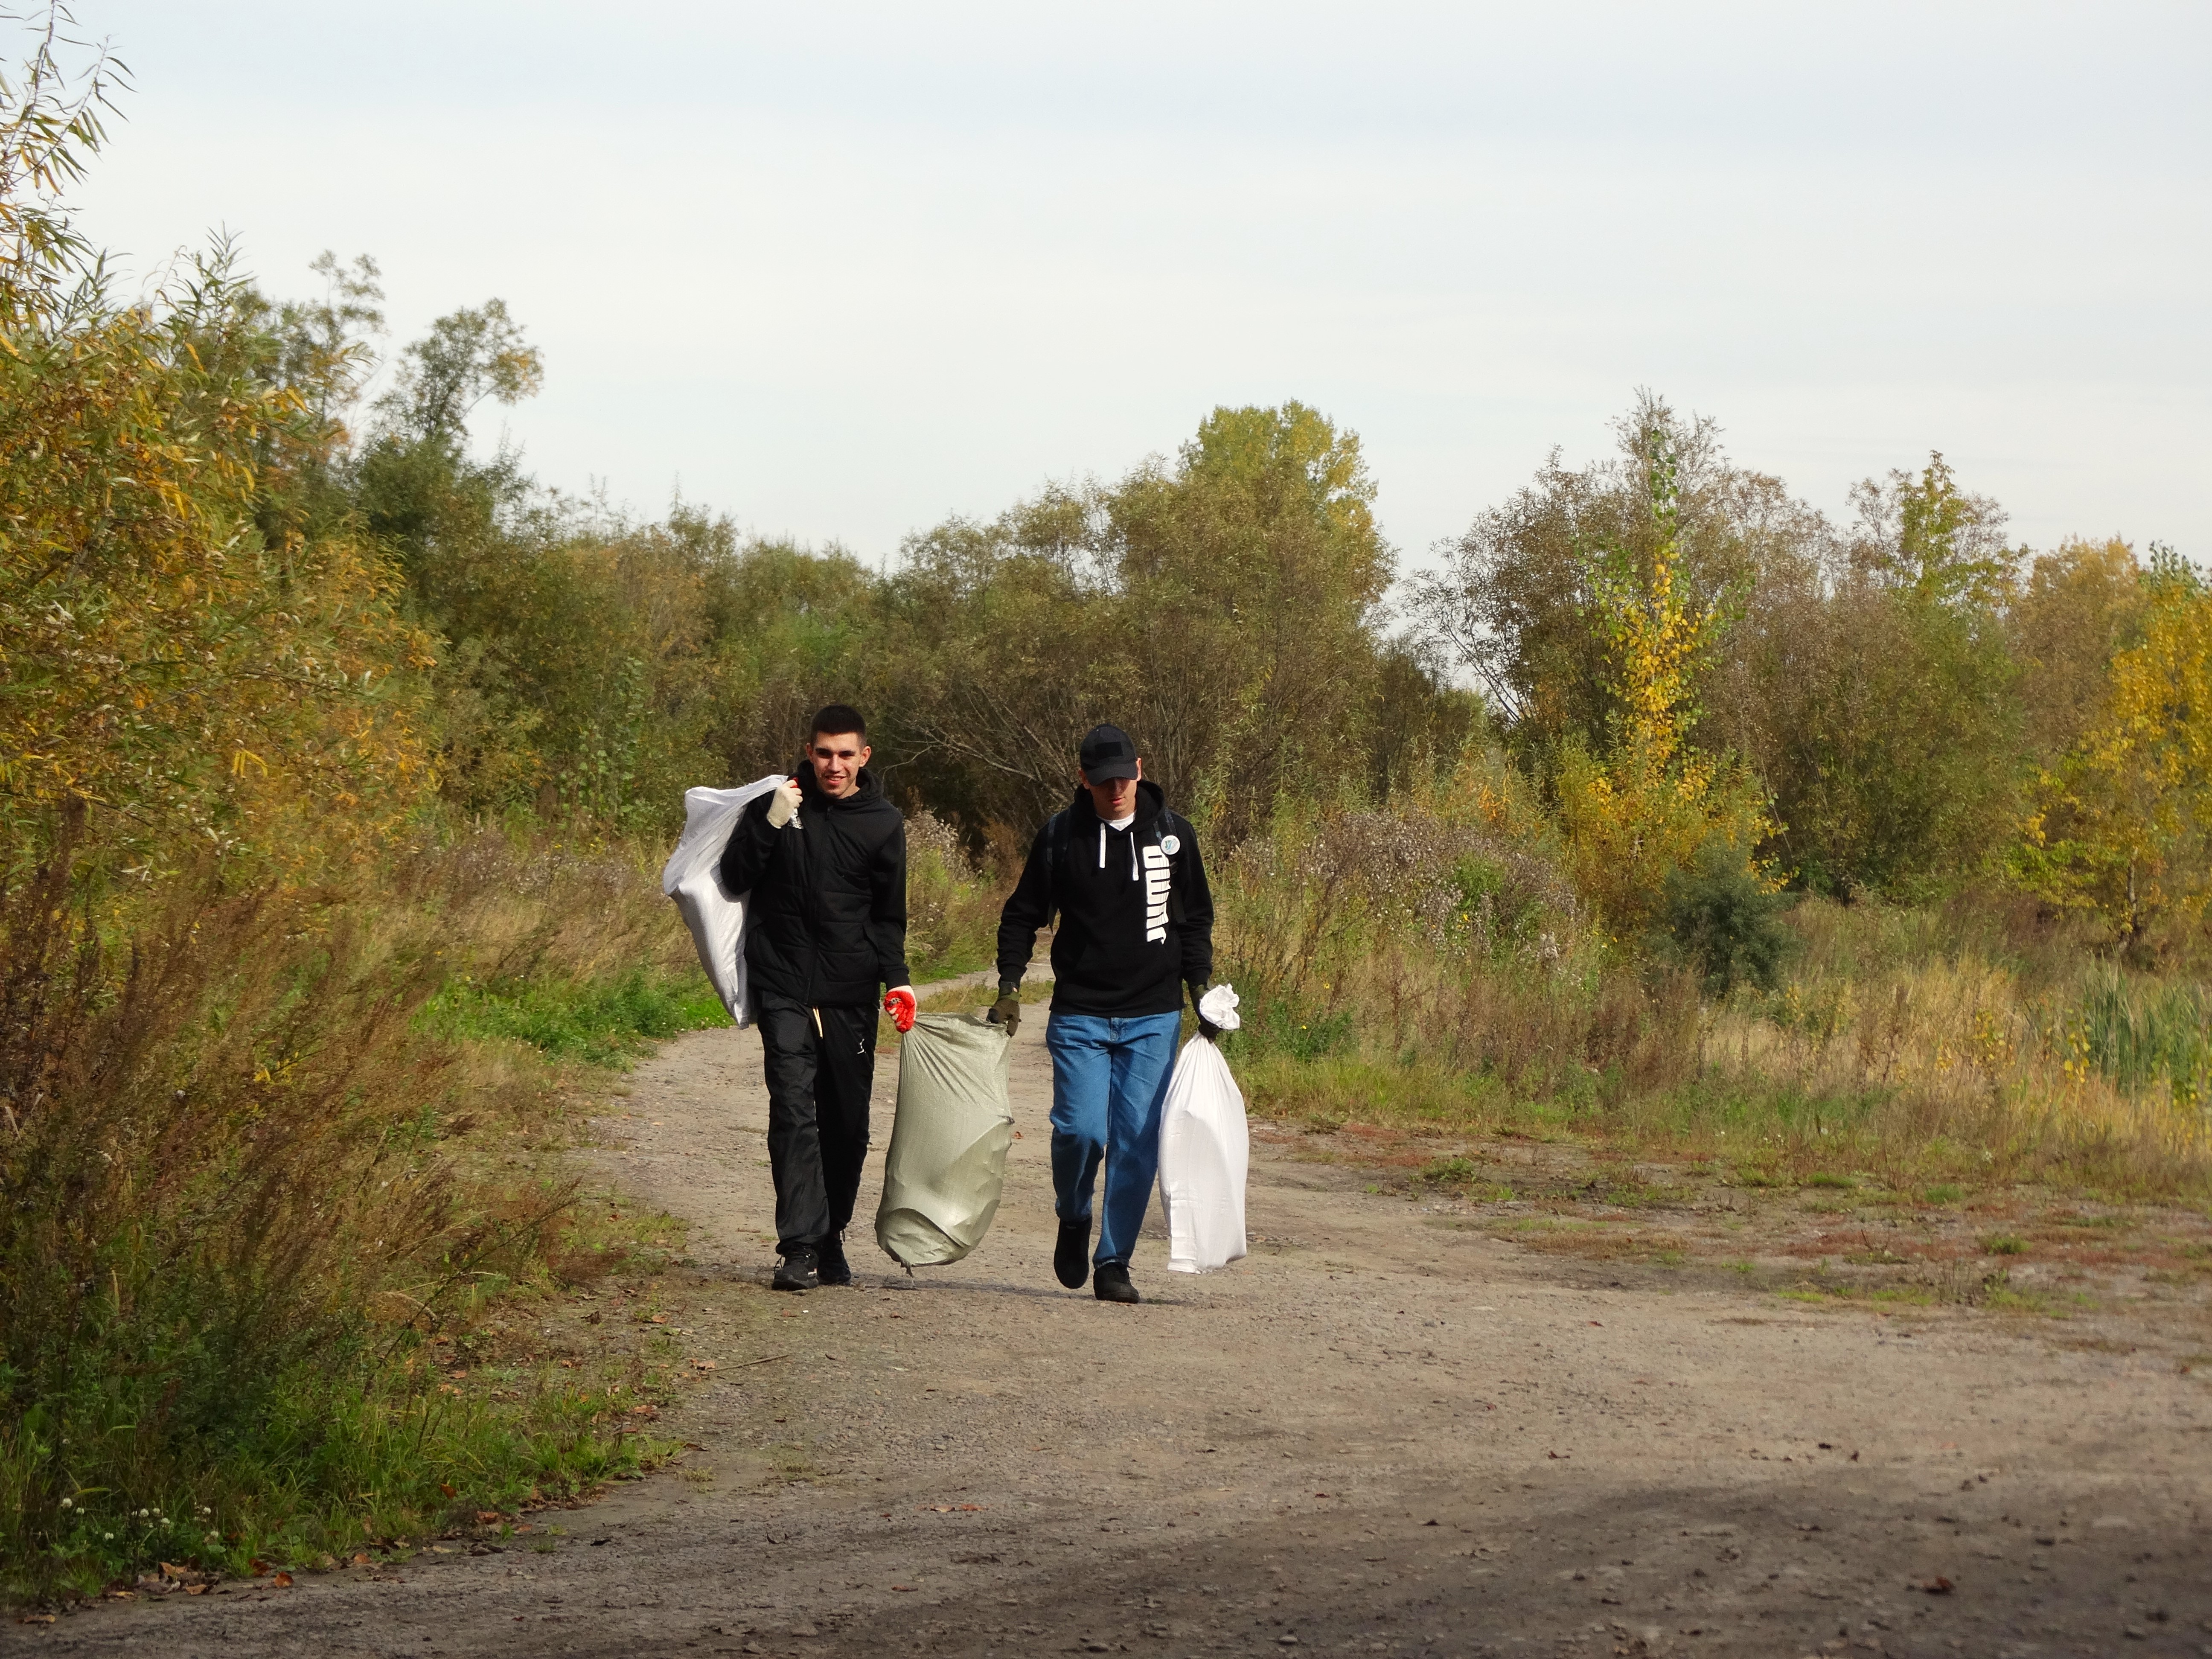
(1008, 1010)
(1206, 1028)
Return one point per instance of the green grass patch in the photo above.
(349, 1452)
(2004, 1244)
(1297, 1033)
(603, 1022)
(1341, 1089)
(1464, 1176)
(1910, 1295)
(1942, 1193)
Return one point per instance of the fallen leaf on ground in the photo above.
(283, 1581)
(1938, 1586)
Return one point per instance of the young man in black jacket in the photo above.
(823, 856)
(1136, 926)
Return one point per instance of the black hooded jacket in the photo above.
(1136, 917)
(828, 927)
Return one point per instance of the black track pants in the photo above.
(818, 1083)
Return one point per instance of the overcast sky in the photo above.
(842, 270)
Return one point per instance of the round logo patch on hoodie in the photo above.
(1171, 845)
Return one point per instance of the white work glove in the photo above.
(783, 804)
(1217, 1008)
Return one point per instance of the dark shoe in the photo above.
(797, 1271)
(831, 1266)
(1071, 1257)
(1111, 1284)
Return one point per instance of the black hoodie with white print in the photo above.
(1136, 917)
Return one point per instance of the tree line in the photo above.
(251, 609)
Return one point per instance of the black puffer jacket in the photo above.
(828, 928)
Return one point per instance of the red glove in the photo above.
(899, 1003)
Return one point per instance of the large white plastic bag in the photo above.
(947, 1161)
(693, 877)
(1206, 1150)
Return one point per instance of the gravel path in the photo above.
(1384, 1433)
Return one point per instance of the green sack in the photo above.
(949, 1141)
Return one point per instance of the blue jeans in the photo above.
(1109, 1079)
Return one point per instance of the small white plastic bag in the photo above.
(1206, 1151)
(693, 878)
(1219, 1008)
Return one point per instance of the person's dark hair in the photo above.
(835, 720)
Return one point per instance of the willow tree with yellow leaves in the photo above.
(1643, 810)
(178, 660)
(2123, 827)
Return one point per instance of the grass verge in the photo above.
(275, 1160)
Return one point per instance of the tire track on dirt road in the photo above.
(1374, 1436)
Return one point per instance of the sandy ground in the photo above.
(1388, 1431)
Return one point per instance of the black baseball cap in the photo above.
(1107, 753)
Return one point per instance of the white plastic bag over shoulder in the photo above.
(693, 877)
(1206, 1150)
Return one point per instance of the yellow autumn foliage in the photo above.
(2124, 828)
(1634, 815)
(171, 659)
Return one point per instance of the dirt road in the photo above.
(1386, 1432)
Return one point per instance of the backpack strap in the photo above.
(1057, 834)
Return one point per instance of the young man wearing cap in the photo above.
(1136, 926)
(823, 856)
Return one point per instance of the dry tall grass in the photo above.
(1427, 964)
(243, 1181)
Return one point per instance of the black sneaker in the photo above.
(796, 1271)
(831, 1266)
(1112, 1283)
(1071, 1257)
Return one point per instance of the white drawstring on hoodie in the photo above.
(1118, 824)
